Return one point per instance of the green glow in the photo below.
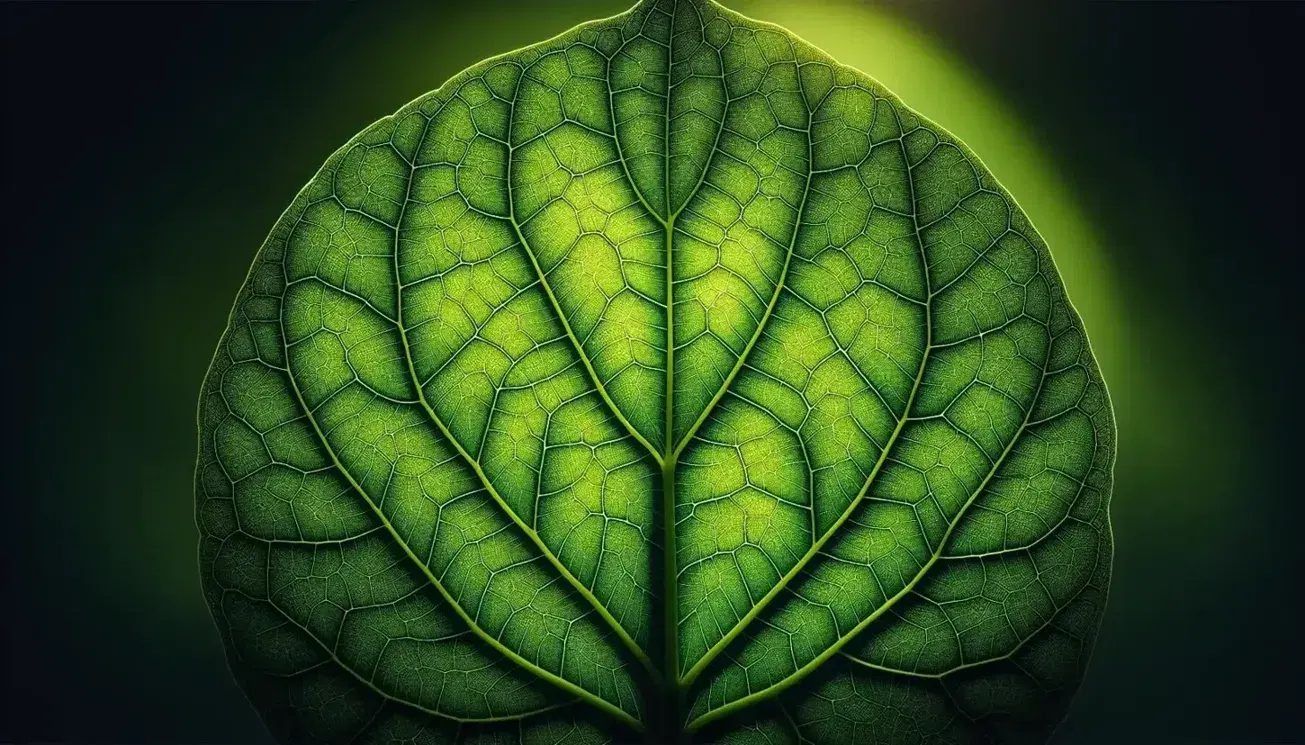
(1164, 398)
(941, 86)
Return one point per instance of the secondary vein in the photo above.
(546, 675)
(802, 672)
(475, 466)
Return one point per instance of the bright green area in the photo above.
(642, 376)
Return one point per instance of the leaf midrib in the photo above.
(667, 460)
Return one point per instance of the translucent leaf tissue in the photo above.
(663, 381)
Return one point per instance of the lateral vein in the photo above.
(557, 680)
(475, 466)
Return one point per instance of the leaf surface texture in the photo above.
(663, 380)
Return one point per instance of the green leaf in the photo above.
(663, 380)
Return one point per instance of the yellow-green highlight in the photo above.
(1161, 399)
(937, 84)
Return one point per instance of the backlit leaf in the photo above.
(666, 380)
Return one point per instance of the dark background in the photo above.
(148, 148)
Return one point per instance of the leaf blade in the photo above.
(505, 382)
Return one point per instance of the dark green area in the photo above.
(131, 174)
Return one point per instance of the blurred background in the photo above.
(149, 148)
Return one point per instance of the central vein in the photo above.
(671, 592)
(669, 459)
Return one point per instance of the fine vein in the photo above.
(557, 680)
(475, 465)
